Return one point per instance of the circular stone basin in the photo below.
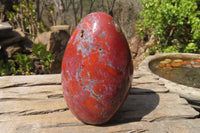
(184, 71)
(180, 73)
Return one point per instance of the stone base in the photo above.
(189, 93)
(35, 104)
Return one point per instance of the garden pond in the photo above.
(184, 71)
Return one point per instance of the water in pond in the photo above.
(183, 71)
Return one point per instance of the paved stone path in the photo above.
(35, 104)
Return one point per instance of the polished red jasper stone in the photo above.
(96, 69)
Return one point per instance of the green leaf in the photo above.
(16, 8)
(171, 20)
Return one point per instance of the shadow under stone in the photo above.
(136, 106)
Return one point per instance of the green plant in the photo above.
(171, 20)
(191, 48)
(21, 64)
(24, 64)
(171, 49)
(45, 57)
(1, 13)
(12, 67)
(7, 68)
(24, 17)
(51, 9)
(3, 68)
(11, 16)
(153, 50)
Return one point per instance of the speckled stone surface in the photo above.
(97, 69)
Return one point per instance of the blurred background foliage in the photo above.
(175, 25)
(37, 15)
(33, 17)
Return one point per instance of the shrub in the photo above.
(23, 64)
(7, 68)
(45, 57)
(24, 16)
(174, 23)
(191, 48)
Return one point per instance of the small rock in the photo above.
(177, 61)
(196, 65)
(134, 44)
(168, 65)
(161, 65)
(12, 37)
(192, 62)
(56, 41)
(44, 38)
(188, 65)
(184, 63)
(164, 62)
(176, 64)
(5, 34)
(11, 50)
(60, 27)
(5, 26)
(197, 60)
(168, 60)
(151, 42)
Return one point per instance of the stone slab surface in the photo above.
(35, 104)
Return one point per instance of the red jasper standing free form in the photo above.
(96, 69)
